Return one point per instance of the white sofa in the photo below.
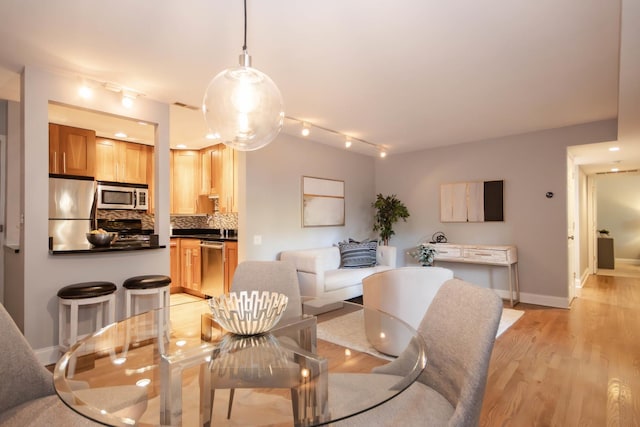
(320, 275)
(405, 293)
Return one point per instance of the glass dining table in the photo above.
(177, 366)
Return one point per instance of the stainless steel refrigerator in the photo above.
(71, 211)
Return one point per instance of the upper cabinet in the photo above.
(219, 176)
(122, 161)
(185, 181)
(72, 151)
(199, 176)
(229, 194)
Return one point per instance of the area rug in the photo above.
(348, 330)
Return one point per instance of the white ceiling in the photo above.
(406, 75)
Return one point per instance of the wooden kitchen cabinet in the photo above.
(72, 151)
(174, 257)
(122, 161)
(185, 181)
(190, 264)
(228, 194)
(230, 263)
(211, 170)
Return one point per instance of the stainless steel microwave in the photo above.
(116, 195)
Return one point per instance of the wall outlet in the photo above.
(257, 240)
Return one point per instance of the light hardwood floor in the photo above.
(576, 367)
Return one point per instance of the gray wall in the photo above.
(618, 210)
(273, 205)
(530, 165)
(42, 274)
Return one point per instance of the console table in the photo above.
(502, 255)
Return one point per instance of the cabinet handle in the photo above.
(64, 162)
(55, 162)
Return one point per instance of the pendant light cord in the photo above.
(244, 46)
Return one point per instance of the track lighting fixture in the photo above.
(305, 129)
(348, 140)
(127, 99)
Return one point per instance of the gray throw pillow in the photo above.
(358, 254)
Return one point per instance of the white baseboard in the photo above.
(48, 355)
(546, 300)
(631, 261)
(583, 279)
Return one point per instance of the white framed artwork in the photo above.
(322, 202)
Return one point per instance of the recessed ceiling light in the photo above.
(614, 169)
(181, 146)
(211, 135)
(614, 148)
(85, 92)
(120, 135)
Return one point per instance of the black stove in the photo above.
(129, 231)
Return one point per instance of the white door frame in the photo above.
(3, 198)
(573, 227)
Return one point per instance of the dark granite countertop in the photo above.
(63, 250)
(212, 234)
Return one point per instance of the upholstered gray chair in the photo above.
(27, 396)
(276, 276)
(459, 329)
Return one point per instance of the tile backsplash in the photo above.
(216, 220)
(228, 221)
(147, 219)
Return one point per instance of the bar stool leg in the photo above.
(62, 321)
(128, 297)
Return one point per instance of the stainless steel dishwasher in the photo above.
(212, 257)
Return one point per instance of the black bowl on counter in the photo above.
(101, 239)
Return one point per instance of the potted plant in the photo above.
(425, 254)
(388, 211)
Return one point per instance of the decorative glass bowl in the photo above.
(248, 313)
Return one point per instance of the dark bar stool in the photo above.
(153, 284)
(80, 295)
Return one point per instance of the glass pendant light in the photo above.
(242, 105)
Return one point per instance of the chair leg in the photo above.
(231, 393)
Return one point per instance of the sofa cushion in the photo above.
(346, 277)
(358, 254)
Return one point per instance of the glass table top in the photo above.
(177, 366)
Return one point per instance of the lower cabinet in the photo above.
(186, 265)
(230, 263)
(174, 256)
(190, 265)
